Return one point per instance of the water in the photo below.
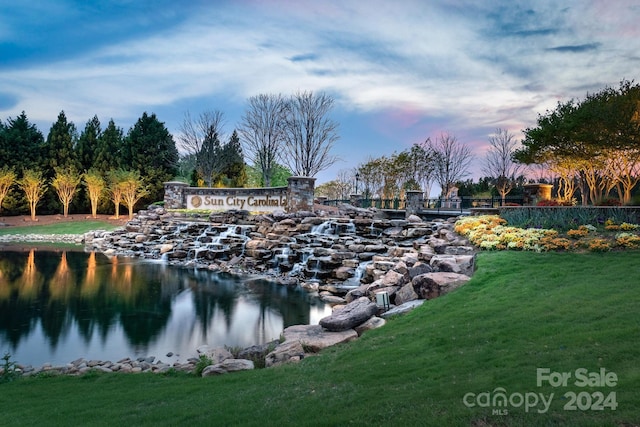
(60, 304)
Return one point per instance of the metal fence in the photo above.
(463, 203)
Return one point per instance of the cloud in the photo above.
(404, 69)
(304, 57)
(576, 48)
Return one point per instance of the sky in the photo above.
(400, 71)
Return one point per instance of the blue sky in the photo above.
(399, 71)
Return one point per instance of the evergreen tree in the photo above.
(58, 152)
(20, 144)
(109, 149)
(233, 170)
(86, 148)
(88, 144)
(208, 163)
(151, 150)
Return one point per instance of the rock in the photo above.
(414, 218)
(217, 355)
(314, 337)
(350, 316)
(402, 309)
(432, 285)
(418, 269)
(228, 365)
(445, 263)
(258, 351)
(332, 299)
(373, 323)
(393, 278)
(288, 351)
(405, 294)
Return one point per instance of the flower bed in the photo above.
(491, 232)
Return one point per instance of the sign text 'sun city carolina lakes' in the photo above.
(258, 203)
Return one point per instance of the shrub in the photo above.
(203, 362)
(628, 240)
(608, 202)
(555, 202)
(599, 245)
(8, 369)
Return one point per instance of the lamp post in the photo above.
(357, 178)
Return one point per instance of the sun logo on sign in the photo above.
(196, 201)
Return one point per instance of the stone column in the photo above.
(533, 193)
(300, 193)
(174, 195)
(354, 199)
(415, 202)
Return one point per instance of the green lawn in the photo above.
(75, 227)
(520, 312)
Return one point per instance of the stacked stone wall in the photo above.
(296, 196)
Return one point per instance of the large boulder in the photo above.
(216, 355)
(350, 316)
(314, 337)
(432, 285)
(402, 309)
(228, 365)
(405, 294)
(288, 351)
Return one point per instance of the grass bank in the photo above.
(520, 312)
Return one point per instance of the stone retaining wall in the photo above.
(296, 196)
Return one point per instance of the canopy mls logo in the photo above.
(500, 401)
(261, 203)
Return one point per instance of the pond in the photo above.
(58, 304)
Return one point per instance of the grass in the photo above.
(73, 227)
(521, 311)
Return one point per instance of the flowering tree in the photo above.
(7, 178)
(34, 186)
(95, 187)
(66, 182)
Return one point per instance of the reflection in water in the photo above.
(59, 305)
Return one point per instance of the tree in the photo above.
(279, 176)
(114, 178)
(423, 166)
(372, 176)
(21, 144)
(66, 183)
(34, 186)
(151, 150)
(201, 138)
(233, 173)
(589, 137)
(332, 190)
(132, 190)
(7, 179)
(499, 162)
(262, 133)
(109, 150)
(451, 161)
(58, 152)
(309, 134)
(209, 161)
(88, 144)
(95, 184)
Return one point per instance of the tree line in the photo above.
(100, 169)
(275, 132)
(443, 161)
(592, 145)
(588, 148)
(110, 165)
